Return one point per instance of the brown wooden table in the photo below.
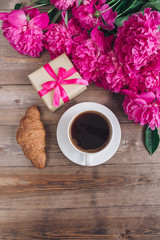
(117, 200)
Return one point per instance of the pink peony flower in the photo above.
(138, 39)
(31, 12)
(31, 43)
(76, 41)
(87, 55)
(26, 37)
(148, 80)
(143, 108)
(89, 14)
(84, 14)
(109, 17)
(112, 73)
(149, 76)
(85, 58)
(98, 37)
(59, 38)
(73, 27)
(63, 4)
(56, 39)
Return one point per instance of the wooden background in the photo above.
(117, 200)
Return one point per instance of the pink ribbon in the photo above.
(59, 91)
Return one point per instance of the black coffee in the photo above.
(89, 131)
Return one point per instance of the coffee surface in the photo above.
(90, 131)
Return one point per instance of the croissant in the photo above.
(31, 137)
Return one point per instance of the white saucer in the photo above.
(80, 158)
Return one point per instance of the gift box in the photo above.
(57, 82)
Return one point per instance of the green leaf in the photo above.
(136, 7)
(79, 2)
(52, 13)
(28, 18)
(156, 5)
(154, 1)
(56, 16)
(17, 6)
(125, 15)
(120, 20)
(133, 7)
(151, 140)
(66, 18)
(123, 5)
(148, 5)
(120, 8)
(128, 8)
(111, 2)
(43, 1)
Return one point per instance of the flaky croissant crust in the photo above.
(31, 137)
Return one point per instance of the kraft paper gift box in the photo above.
(41, 76)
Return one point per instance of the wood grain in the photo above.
(9, 5)
(56, 224)
(15, 67)
(117, 200)
(14, 100)
(80, 187)
(130, 151)
(54, 203)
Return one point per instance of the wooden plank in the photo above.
(14, 100)
(80, 203)
(107, 202)
(15, 68)
(64, 201)
(12, 116)
(7, 5)
(70, 224)
(131, 149)
(12, 96)
(57, 187)
(3, 41)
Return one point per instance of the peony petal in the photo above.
(148, 96)
(109, 17)
(94, 33)
(63, 14)
(90, 8)
(137, 114)
(133, 83)
(129, 93)
(17, 18)
(41, 21)
(63, 4)
(99, 38)
(101, 2)
(157, 90)
(109, 42)
(4, 16)
(145, 115)
(33, 12)
(73, 27)
(140, 101)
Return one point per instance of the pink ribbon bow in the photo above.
(56, 85)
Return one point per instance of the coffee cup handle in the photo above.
(88, 160)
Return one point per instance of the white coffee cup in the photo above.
(88, 154)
